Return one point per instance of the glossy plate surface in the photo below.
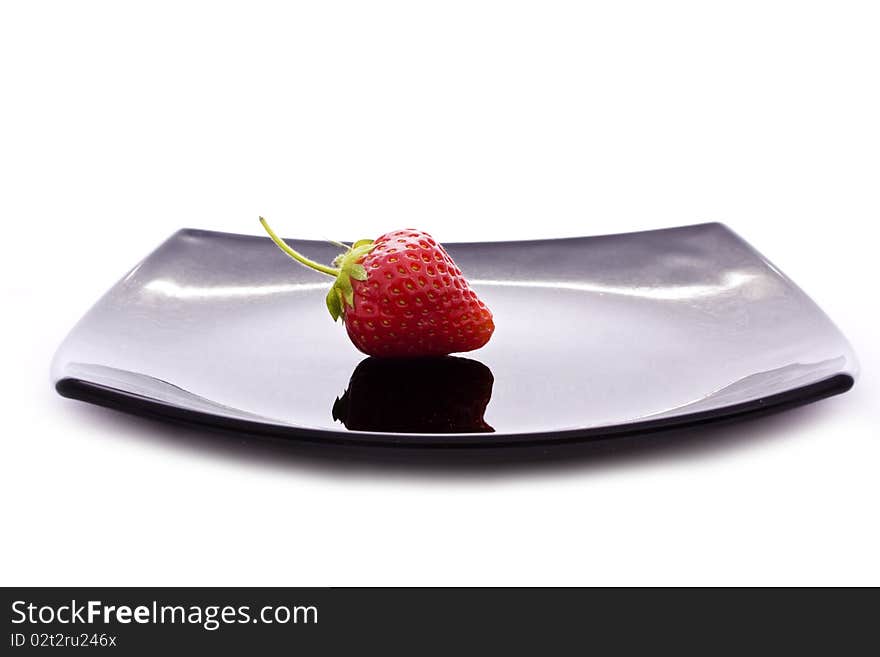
(596, 336)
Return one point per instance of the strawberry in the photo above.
(401, 295)
(437, 395)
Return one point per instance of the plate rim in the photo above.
(134, 404)
(190, 230)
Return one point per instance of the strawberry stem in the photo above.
(317, 266)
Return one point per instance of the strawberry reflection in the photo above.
(427, 395)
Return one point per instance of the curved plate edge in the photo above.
(119, 400)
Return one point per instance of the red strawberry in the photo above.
(402, 296)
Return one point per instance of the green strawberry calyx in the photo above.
(346, 266)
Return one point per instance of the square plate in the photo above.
(595, 337)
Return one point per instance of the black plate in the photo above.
(596, 337)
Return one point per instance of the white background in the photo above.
(121, 122)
